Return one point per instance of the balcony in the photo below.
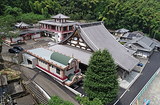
(52, 30)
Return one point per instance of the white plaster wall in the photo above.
(53, 70)
(73, 69)
(16, 39)
(59, 37)
(69, 72)
(36, 36)
(43, 65)
(34, 62)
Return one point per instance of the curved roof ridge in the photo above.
(58, 57)
(90, 24)
(60, 16)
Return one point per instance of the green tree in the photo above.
(5, 28)
(101, 77)
(86, 101)
(13, 11)
(55, 100)
(30, 18)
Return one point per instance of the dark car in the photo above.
(140, 64)
(12, 50)
(18, 48)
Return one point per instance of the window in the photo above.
(64, 28)
(70, 28)
(51, 66)
(58, 71)
(53, 27)
(64, 35)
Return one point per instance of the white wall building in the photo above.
(63, 68)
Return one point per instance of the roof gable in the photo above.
(22, 24)
(60, 16)
(77, 41)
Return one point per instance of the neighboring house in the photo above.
(24, 35)
(90, 37)
(22, 25)
(63, 68)
(132, 35)
(143, 46)
(58, 28)
(121, 32)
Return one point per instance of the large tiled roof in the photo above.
(98, 37)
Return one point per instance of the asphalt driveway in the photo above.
(150, 68)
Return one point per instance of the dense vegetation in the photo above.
(142, 15)
(55, 100)
(85, 101)
(101, 77)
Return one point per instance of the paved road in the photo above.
(149, 70)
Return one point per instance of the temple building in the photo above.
(91, 37)
(63, 68)
(58, 28)
(23, 35)
(22, 25)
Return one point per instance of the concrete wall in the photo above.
(15, 58)
(16, 39)
(36, 36)
(27, 57)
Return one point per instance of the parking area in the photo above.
(30, 44)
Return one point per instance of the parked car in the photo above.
(12, 50)
(140, 64)
(18, 48)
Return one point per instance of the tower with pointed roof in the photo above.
(59, 27)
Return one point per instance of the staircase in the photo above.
(37, 93)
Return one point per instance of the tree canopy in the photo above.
(86, 101)
(101, 77)
(135, 15)
(55, 100)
